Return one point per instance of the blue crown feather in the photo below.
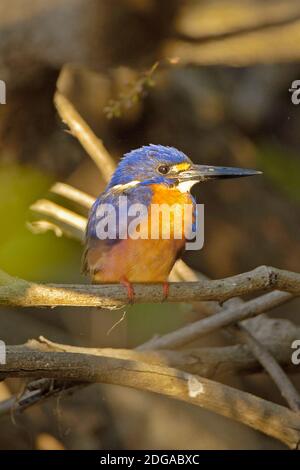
(141, 164)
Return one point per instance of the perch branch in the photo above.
(180, 337)
(22, 293)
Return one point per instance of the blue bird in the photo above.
(153, 175)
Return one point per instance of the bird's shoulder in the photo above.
(115, 203)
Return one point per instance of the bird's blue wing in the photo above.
(108, 220)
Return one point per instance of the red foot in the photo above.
(129, 289)
(166, 290)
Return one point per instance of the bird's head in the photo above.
(166, 165)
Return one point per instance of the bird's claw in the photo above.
(166, 286)
(129, 289)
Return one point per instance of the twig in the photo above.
(238, 31)
(270, 364)
(43, 226)
(37, 391)
(225, 317)
(68, 221)
(89, 141)
(272, 419)
(69, 192)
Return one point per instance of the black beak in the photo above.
(208, 172)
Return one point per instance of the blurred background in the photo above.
(211, 78)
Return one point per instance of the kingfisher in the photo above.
(150, 176)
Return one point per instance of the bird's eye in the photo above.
(163, 169)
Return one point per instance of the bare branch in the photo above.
(210, 362)
(272, 367)
(28, 294)
(226, 317)
(73, 194)
(272, 419)
(42, 226)
(242, 331)
(89, 141)
(70, 223)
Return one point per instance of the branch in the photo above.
(18, 292)
(270, 364)
(73, 194)
(210, 362)
(238, 31)
(89, 141)
(70, 223)
(272, 419)
(180, 337)
(224, 317)
(242, 332)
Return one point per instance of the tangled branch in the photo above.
(272, 419)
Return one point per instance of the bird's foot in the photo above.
(129, 288)
(166, 287)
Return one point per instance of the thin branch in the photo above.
(73, 194)
(38, 391)
(68, 221)
(43, 226)
(227, 316)
(270, 364)
(239, 31)
(89, 141)
(269, 418)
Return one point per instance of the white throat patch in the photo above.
(185, 186)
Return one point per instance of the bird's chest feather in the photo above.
(176, 213)
(151, 257)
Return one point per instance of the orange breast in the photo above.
(149, 259)
(175, 210)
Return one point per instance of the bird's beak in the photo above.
(208, 172)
